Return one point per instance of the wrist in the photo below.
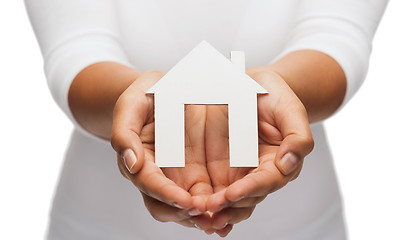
(274, 73)
(316, 78)
(94, 92)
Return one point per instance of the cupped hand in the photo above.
(170, 194)
(284, 140)
(230, 194)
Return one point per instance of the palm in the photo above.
(164, 189)
(217, 149)
(222, 175)
(217, 145)
(207, 182)
(281, 116)
(193, 178)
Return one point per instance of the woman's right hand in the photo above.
(170, 194)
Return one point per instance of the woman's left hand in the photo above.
(285, 139)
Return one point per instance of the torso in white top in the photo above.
(93, 200)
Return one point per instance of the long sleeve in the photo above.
(73, 35)
(341, 29)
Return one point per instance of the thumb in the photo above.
(292, 152)
(131, 112)
(130, 115)
(130, 151)
(297, 137)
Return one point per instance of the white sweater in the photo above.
(93, 201)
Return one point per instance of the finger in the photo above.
(230, 216)
(195, 180)
(200, 193)
(297, 140)
(217, 145)
(194, 176)
(197, 176)
(151, 181)
(121, 166)
(217, 155)
(295, 175)
(218, 201)
(201, 222)
(264, 180)
(155, 184)
(247, 202)
(289, 116)
(125, 139)
(210, 231)
(131, 151)
(292, 152)
(166, 213)
(163, 212)
(225, 231)
(131, 112)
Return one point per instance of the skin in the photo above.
(170, 194)
(109, 100)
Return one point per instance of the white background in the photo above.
(372, 138)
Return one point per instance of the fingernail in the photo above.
(196, 226)
(194, 212)
(129, 159)
(210, 231)
(288, 163)
(177, 205)
(240, 198)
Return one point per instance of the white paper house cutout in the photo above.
(205, 76)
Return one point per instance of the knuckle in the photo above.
(311, 143)
(308, 142)
(276, 185)
(302, 145)
(116, 140)
(129, 99)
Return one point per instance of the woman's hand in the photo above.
(170, 194)
(284, 136)
(231, 194)
(284, 140)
